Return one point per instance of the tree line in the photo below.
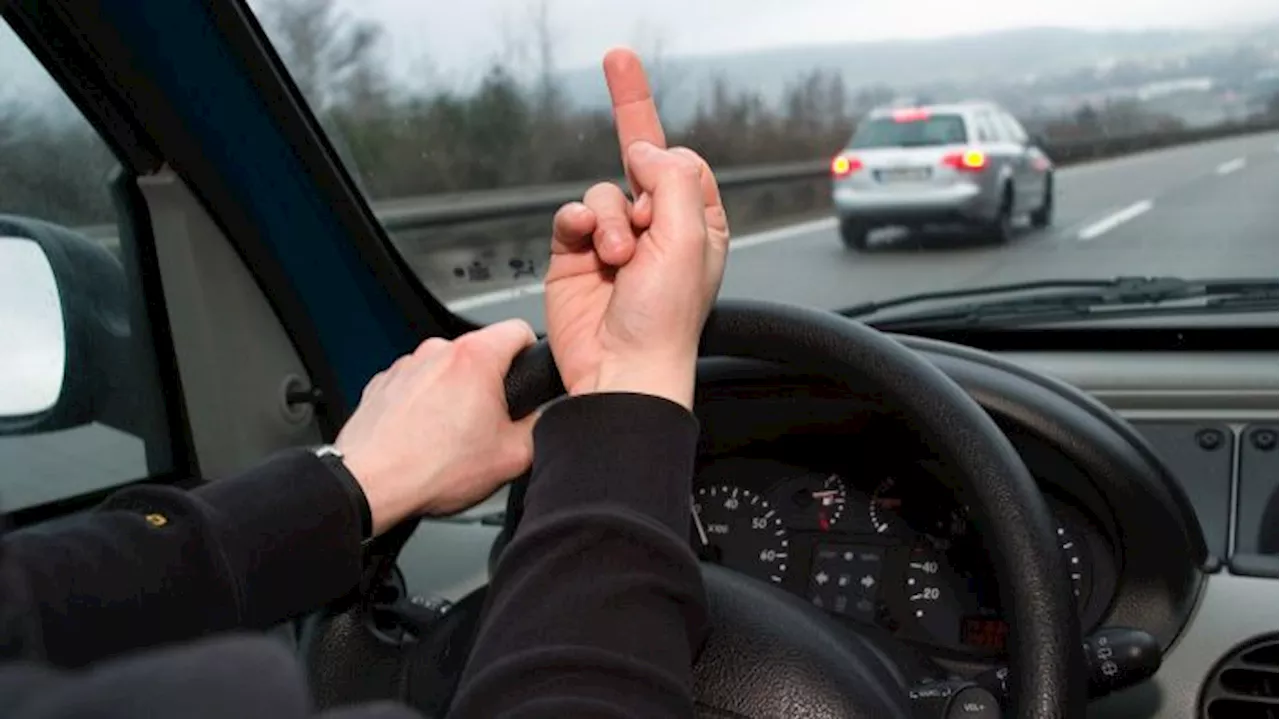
(506, 131)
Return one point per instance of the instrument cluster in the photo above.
(884, 544)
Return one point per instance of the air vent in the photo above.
(1245, 683)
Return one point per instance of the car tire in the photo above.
(1000, 229)
(854, 234)
(1042, 216)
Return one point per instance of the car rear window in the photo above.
(916, 131)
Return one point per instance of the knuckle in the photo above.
(562, 215)
(567, 212)
(467, 346)
(602, 193)
(691, 155)
(682, 169)
(433, 345)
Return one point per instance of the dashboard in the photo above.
(1107, 436)
(880, 541)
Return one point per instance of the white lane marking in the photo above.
(1230, 166)
(1114, 220)
(495, 297)
(781, 233)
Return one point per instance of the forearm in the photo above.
(597, 605)
(154, 565)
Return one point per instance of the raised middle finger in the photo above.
(635, 113)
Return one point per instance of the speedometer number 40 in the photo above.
(743, 530)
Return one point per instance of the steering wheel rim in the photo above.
(1004, 500)
(1045, 659)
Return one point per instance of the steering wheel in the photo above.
(768, 653)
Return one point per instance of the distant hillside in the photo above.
(1005, 56)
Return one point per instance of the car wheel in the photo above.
(854, 234)
(1043, 216)
(1000, 229)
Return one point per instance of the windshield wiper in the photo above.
(1077, 299)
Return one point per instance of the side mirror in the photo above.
(33, 363)
(64, 329)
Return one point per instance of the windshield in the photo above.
(1083, 140)
(910, 131)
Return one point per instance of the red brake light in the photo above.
(845, 165)
(911, 114)
(969, 160)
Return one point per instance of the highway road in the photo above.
(1208, 209)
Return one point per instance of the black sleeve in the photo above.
(155, 565)
(243, 677)
(597, 606)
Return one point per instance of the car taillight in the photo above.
(910, 114)
(845, 165)
(967, 161)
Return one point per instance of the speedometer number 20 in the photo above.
(745, 529)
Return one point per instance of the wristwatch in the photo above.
(331, 457)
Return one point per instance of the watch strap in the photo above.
(332, 458)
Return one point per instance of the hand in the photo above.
(630, 285)
(432, 434)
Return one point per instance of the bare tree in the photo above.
(547, 92)
(551, 133)
(665, 77)
(331, 56)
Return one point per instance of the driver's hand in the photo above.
(630, 285)
(432, 434)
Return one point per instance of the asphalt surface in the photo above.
(1204, 210)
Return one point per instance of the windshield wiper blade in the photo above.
(1078, 298)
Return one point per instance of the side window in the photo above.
(1013, 129)
(985, 128)
(81, 407)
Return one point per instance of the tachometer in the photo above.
(741, 530)
(812, 502)
(830, 501)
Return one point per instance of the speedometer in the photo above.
(741, 530)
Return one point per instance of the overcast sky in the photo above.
(457, 37)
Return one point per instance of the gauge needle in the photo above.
(826, 495)
(697, 522)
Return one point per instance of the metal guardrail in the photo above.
(452, 209)
(442, 210)
(458, 208)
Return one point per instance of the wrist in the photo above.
(334, 461)
(387, 505)
(671, 379)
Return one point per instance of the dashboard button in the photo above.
(845, 579)
(974, 703)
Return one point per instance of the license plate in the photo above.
(904, 174)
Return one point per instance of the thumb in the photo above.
(524, 427)
(520, 435)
